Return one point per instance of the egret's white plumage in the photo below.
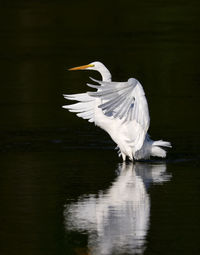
(121, 109)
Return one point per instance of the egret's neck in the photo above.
(106, 75)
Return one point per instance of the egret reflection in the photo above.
(117, 220)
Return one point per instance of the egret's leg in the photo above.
(123, 156)
(131, 159)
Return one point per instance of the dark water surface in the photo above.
(63, 190)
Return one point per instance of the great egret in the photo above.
(121, 109)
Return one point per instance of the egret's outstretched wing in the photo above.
(123, 100)
(84, 108)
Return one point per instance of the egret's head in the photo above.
(97, 66)
(92, 66)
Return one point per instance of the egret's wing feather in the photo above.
(79, 107)
(85, 106)
(114, 102)
(93, 86)
(82, 97)
(125, 99)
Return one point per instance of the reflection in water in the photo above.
(117, 220)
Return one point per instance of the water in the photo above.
(117, 220)
(63, 189)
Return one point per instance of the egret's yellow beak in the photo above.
(80, 67)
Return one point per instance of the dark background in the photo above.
(48, 155)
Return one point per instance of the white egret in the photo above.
(121, 109)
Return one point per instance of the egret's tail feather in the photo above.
(156, 149)
(158, 152)
(162, 143)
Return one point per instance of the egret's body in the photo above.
(121, 109)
